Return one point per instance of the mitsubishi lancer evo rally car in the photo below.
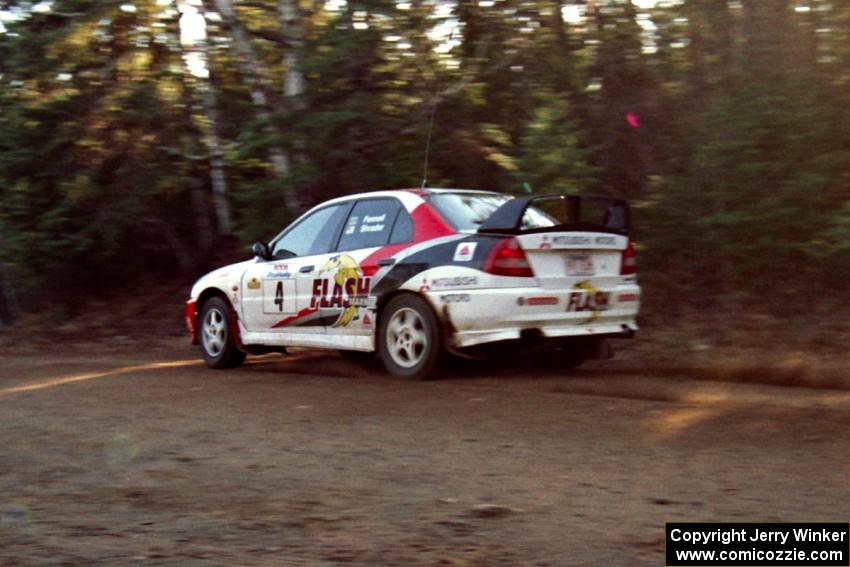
(413, 274)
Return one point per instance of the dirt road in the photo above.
(118, 458)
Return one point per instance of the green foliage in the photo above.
(553, 159)
(762, 191)
(724, 122)
(90, 190)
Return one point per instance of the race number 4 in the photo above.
(278, 296)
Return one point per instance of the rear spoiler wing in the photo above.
(507, 219)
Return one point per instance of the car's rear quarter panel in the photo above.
(480, 307)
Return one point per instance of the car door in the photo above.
(371, 224)
(278, 295)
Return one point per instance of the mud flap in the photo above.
(449, 331)
(448, 327)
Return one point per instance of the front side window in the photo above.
(369, 224)
(312, 235)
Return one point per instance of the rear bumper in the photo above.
(190, 316)
(474, 317)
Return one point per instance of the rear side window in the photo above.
(466, 211)
(369, 224)
(403, 228)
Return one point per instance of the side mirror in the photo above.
(261, 250)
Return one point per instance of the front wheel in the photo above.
(409, 338)
(218, 346)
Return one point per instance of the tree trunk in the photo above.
(294, 87)
(200, 203)
(293, 34)
(203, 85)
(221, 201)
(250, 69)
(8, 300)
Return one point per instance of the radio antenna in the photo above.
(428, 145)
(431, 126)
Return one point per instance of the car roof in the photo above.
(437, 191)
(397, 193)
(407, 191)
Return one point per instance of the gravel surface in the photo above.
(138, 454)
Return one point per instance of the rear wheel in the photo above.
(409, 338)
(218, 346)
(571, 356)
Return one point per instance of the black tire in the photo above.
(570, 356)
(409, 338)
(215, 335)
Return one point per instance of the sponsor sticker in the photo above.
(582, 240)
(455, 298)
(254, 283)
(351, 227)
(571, 240)
(341, 285)
(465, 251)
(278, 275)
(587, 297)
(459, 281)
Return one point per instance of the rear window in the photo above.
(467, 211)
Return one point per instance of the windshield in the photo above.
(466, 212)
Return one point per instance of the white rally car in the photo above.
(413, 274)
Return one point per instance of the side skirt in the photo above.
(365, 343)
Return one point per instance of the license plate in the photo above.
(579, 265)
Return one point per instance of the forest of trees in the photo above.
(137, 136)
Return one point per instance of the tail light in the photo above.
(507, 258)
(628, 264)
